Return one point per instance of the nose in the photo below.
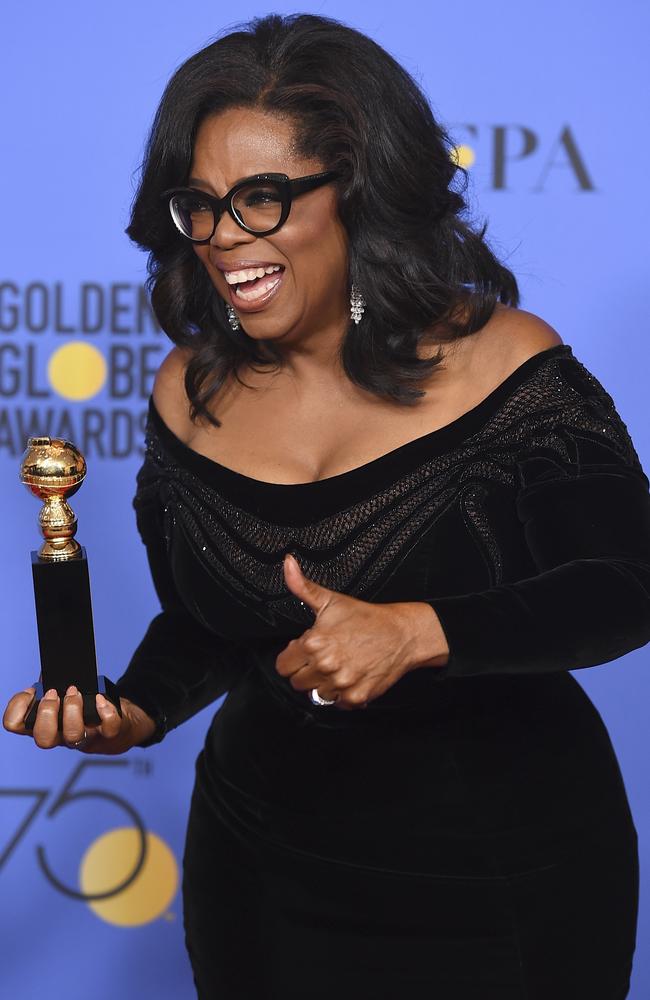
(228, 233)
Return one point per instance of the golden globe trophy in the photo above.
(53, 470)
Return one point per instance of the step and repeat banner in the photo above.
(546, 104)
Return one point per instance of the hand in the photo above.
(356, 650)
(114, 734)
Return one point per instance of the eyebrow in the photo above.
(197, 182)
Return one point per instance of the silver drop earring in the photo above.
(357, 304)
(233, 318)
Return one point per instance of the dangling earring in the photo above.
(233, 318)
(357, 304)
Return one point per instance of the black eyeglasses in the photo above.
(259, 204)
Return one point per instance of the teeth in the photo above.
(258, 291)
(235, 277)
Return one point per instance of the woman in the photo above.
(406, 793)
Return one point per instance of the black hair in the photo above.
(413, 254)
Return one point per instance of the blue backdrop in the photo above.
(547, 104)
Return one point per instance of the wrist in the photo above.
(142, 726)
(426, 641)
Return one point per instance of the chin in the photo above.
(261, 327)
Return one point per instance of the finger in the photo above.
(291, 659)
(284, 661)
(16, 710)
(306, 678)
(315, 596)
(74, 729)
(325, 678)
(350, 701)
(111, 722)
(46, 726)
(325, 691)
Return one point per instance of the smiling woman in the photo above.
(324, 101)
(299, 229)
(390, 559)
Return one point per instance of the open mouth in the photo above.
(255, 287)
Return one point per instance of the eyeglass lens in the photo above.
(258, 206)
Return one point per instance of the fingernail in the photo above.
(72, 690)
(52, 693)
(101, 701)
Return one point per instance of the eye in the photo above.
(259, 196)
(258, 206)
(192, 215)
(195, 205)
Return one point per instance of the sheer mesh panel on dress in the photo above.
(354, 549)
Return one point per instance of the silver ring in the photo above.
(317, 700)
(83, 739)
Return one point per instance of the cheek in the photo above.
(203, 254)
(317, 252)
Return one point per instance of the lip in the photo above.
(259, 304)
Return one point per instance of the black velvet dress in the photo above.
(468, 835)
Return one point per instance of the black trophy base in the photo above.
(66, 636)
(90, 713)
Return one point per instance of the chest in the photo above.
(288, 442)
(443, 525)
(227, 565)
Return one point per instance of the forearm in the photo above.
(178, 669)
(580, 614)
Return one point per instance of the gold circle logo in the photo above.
(77, 370)
(109, 861)
(464, 156)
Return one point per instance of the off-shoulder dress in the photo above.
(468, 835)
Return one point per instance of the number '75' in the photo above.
(68, 797)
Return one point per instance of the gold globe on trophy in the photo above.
(53, 470)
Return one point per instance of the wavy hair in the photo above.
(413, 253)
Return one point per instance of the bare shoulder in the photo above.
(508, 339)
(169, 394)
(521, 336)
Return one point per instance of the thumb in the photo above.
(315, 596)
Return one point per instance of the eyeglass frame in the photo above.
(288, 189)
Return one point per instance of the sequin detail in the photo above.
(357, 548)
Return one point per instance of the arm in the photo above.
(180, 666)
(586, 521)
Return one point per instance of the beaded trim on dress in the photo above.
(356, 548)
